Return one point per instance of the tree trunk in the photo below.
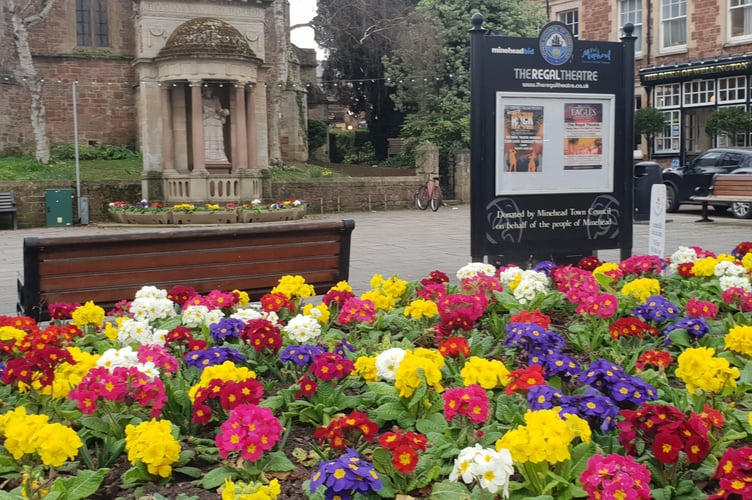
(31, 79)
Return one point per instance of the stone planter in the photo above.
(118, 217)
(271, 215)
(148, 218)
(213, 217)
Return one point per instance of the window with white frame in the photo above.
(699, 92)
(740, 19)
(732, 89)
(741, 139)
(667, 96)
(572, 19)
(673, 24)
(668, 140)
(630, 11)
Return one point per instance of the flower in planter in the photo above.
(345, 475)
(153, 444)
(616, 476)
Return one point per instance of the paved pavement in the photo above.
(408, 243)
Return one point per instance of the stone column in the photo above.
(197, 127)
(240, 137)
(168, 142)
(251, 129)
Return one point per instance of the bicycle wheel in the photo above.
(421, 198)
(437, 199)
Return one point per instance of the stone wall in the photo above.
(351, 194)
(30, 199)
(322, 195)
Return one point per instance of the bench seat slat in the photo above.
(217, 271)
(158, 261)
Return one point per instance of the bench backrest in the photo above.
(109, 268)
(7, 202)
(732, 185)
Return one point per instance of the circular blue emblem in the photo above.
(556, 43)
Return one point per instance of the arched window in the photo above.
(91, 23)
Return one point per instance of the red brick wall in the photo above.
(106, 109)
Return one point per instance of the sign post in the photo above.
(551, 141)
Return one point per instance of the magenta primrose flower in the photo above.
(616, 476)
(250, 430)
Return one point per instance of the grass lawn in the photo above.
(25, 168)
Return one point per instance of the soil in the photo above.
(190, 489)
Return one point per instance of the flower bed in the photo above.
(145, 212)
(604, 380)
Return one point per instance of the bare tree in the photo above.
(23, 15)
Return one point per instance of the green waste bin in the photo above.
(59, 206)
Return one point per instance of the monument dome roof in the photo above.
(206, 36)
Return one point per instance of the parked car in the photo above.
(697, 176)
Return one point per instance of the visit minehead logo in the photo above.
(556, 44)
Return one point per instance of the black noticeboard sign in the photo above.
(551, 145)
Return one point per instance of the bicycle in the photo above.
(429, 194)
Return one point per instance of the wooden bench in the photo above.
(8, 206)
(110, 268)
(726, 188)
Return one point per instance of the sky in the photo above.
(302, 11)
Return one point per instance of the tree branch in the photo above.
(39, 16)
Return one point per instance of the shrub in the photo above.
(317, 134)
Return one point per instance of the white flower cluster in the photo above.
(387, 363)
(126, 357)
(728, 268)
(531, 284)
(492, 469)
(742, 282)
(682, 255)
(302, 328)
(508, 275)
(139, 332)
(196, 316)
(255, 312)
(151, 303)
(475, 268)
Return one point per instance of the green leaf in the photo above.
(448, 490)
(434, 423)
(382, 389)
(382, 461)
(680, 338)
(216, 477)
(82, 485)
(390, 412)
(745, 377)
(96, 424)
(137, 474)
(193, 472)
(277, 461)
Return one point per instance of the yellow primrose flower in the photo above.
(11, 333)
(489, 374)
(242, 296)
(88, 314)
(365, 367)
(739, 339)
(381, 300)
(342, 286)
(642, 288)
(545, 437)
(606, 267)
(700, 370)
(152, 442)
(226, 371)
(294, 287)
(407, 378)
(705, 266)
(421, 308)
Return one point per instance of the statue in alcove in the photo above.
(215, 117)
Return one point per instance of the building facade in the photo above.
(690, 59)
(208, 90)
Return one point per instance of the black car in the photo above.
(697, 176)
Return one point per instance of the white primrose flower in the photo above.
(726, 268)
(213, 316)
(387, 363)
(683, 255)
(742, 282)
(492, 469)
(132, 331)
(152, 308)
(302, 328)
(194, 316)
(151, 292)
(473, 269)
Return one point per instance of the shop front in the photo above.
(688, 93)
